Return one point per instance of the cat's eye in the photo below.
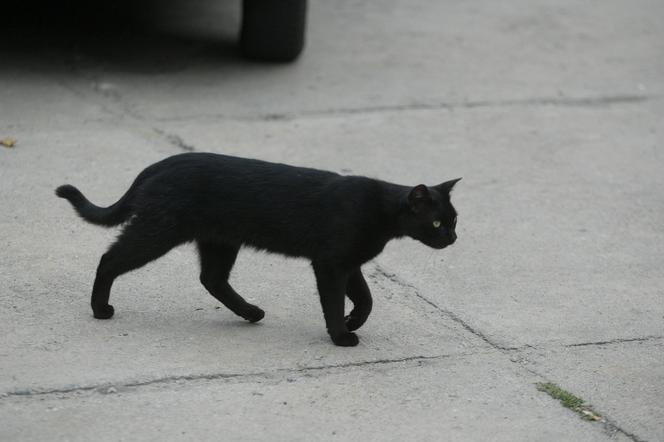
(436, 224)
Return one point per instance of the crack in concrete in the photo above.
(598, 101)
(102, 388)
(175, 140)
(610, 427)
(108, 96)
(583, 102)
(112, 102)
(616, 341)
(381, 271)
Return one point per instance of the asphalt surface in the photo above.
(551, 111)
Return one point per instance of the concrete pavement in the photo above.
(551, 111)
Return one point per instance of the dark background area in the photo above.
(137, 36)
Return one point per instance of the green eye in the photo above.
(436, 224)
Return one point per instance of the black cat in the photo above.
(223, 202)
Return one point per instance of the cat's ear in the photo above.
(418, 197)
(447, 186)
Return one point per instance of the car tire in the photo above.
(273, 30)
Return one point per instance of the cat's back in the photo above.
(201, 166)
(205, 180)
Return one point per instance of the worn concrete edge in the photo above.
(616, 341)
(102, 388)
(599, 101)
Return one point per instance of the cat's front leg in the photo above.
(358, 292)
(332, 290)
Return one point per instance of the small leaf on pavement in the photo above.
(8, 142)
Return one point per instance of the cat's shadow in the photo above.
(138, 37)
(213, 328)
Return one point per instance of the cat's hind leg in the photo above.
(358, 292)
(140, 242)
(216, 263)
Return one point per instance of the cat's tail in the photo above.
(103, 216)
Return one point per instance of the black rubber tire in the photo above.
(273, 30)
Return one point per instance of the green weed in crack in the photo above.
(568, 400)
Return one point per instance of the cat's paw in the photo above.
(253, 314)
(353, 322)
(103, 312)
(347, 339)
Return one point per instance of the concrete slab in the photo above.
(550, 110)
(475, 397)
(625, 380)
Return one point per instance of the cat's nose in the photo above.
(453, 237)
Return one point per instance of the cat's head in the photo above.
(430, 216)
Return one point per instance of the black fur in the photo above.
(224, 203)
